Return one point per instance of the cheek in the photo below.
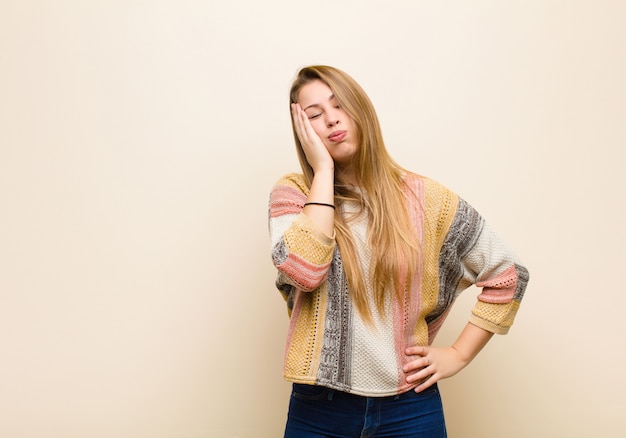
(319, 127)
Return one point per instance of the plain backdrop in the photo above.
(139, 141)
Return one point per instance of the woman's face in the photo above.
(330, 122)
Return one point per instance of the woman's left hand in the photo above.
(431, 364)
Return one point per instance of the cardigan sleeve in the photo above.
(300, 250)
(503, 279)
(478, 256)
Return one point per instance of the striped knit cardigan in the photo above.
(328, 343)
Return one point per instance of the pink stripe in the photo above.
(286, 200)
(308, 276)
(500, 289)
(405, 316)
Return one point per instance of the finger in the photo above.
(417, 350)
(420, 369)
(308, 132)
(307, 126)
(309, 139)
(417, 364)
(427, 383)
(297, 120)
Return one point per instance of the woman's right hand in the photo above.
(315, 151)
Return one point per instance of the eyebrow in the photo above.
(331, 97)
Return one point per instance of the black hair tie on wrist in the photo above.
(320, 203)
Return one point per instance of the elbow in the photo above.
(304, 276)
(310, 286)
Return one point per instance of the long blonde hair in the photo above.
(391, 235)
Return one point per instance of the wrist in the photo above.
(321, 204)
(461, 355)
(324, 169)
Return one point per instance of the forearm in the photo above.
(322, 190)
(471, 341)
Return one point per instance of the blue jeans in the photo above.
(319, 412)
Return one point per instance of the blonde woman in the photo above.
(370, 259)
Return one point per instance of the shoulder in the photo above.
(292, 180)
(288, 194)
(427, 187)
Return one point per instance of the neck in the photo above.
(346, 175)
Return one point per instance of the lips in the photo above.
(337, 136)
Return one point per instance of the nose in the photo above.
(332, 120)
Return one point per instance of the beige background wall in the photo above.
(138, 144)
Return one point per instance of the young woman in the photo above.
(370, 259)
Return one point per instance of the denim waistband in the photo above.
(334, 393)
